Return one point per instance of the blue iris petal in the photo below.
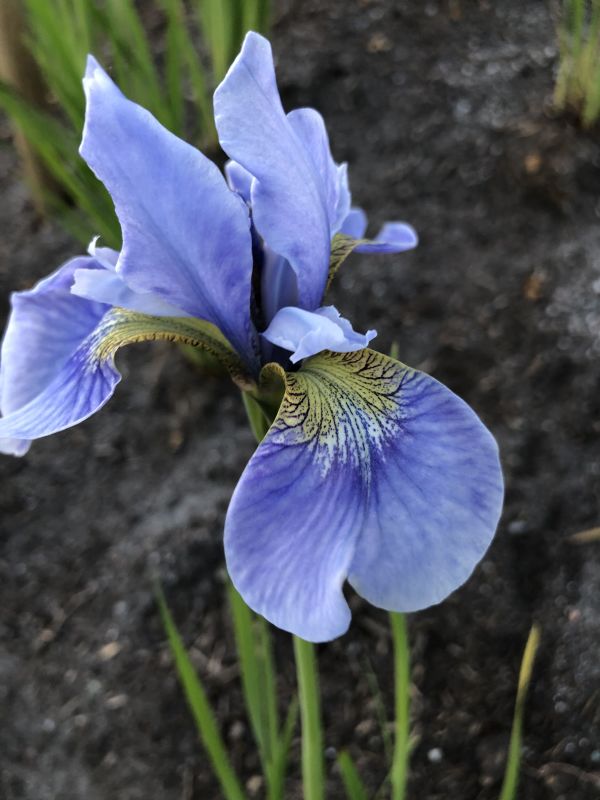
(186, 236)
(290, 538)
(279, 284)
(108, 287)
(78, 389)
(238, 179)
(310, 128)
(105, 256)
(295, 202)
(306, 333)
(45, 327)
(394, 237)
(373, 472)
(355, 223)
(433, 505)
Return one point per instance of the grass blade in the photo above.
(578, 80)
(255, 16)
(61, 59)
(282, 752)
(253, 641)
(253, 683)
(380, 708)
(213, 16)
(511, 775)
(355, 788)
(263, 16)
(200, 707)
(19, 70)
(174, 61)
(135, 69)
(56, 147)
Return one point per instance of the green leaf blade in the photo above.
(355, 788)
(200, 707)
(513, 764)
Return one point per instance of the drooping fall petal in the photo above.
(373, 472)
(46, 325)
(87, 376)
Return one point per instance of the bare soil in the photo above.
(443, 111)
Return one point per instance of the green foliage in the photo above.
(578, 81)
(257, 672)
(313, 778)
(259, 685)
(61, 34)
(224, 24)
(513, 763)
(258, 677)
(200, 707)
(399, 773)
(355, 788)
(259, 420)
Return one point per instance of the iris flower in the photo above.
(371, 472)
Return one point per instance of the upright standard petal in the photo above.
(186, 236)
(371, 471)
(310, 129)
(294, 202)
(45, 327)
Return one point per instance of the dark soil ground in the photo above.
(442, 110)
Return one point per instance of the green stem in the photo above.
(310, 712)
(402, 690)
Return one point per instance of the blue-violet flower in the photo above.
(371, 472)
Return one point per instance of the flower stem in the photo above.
(402, 690)
(310, 711)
